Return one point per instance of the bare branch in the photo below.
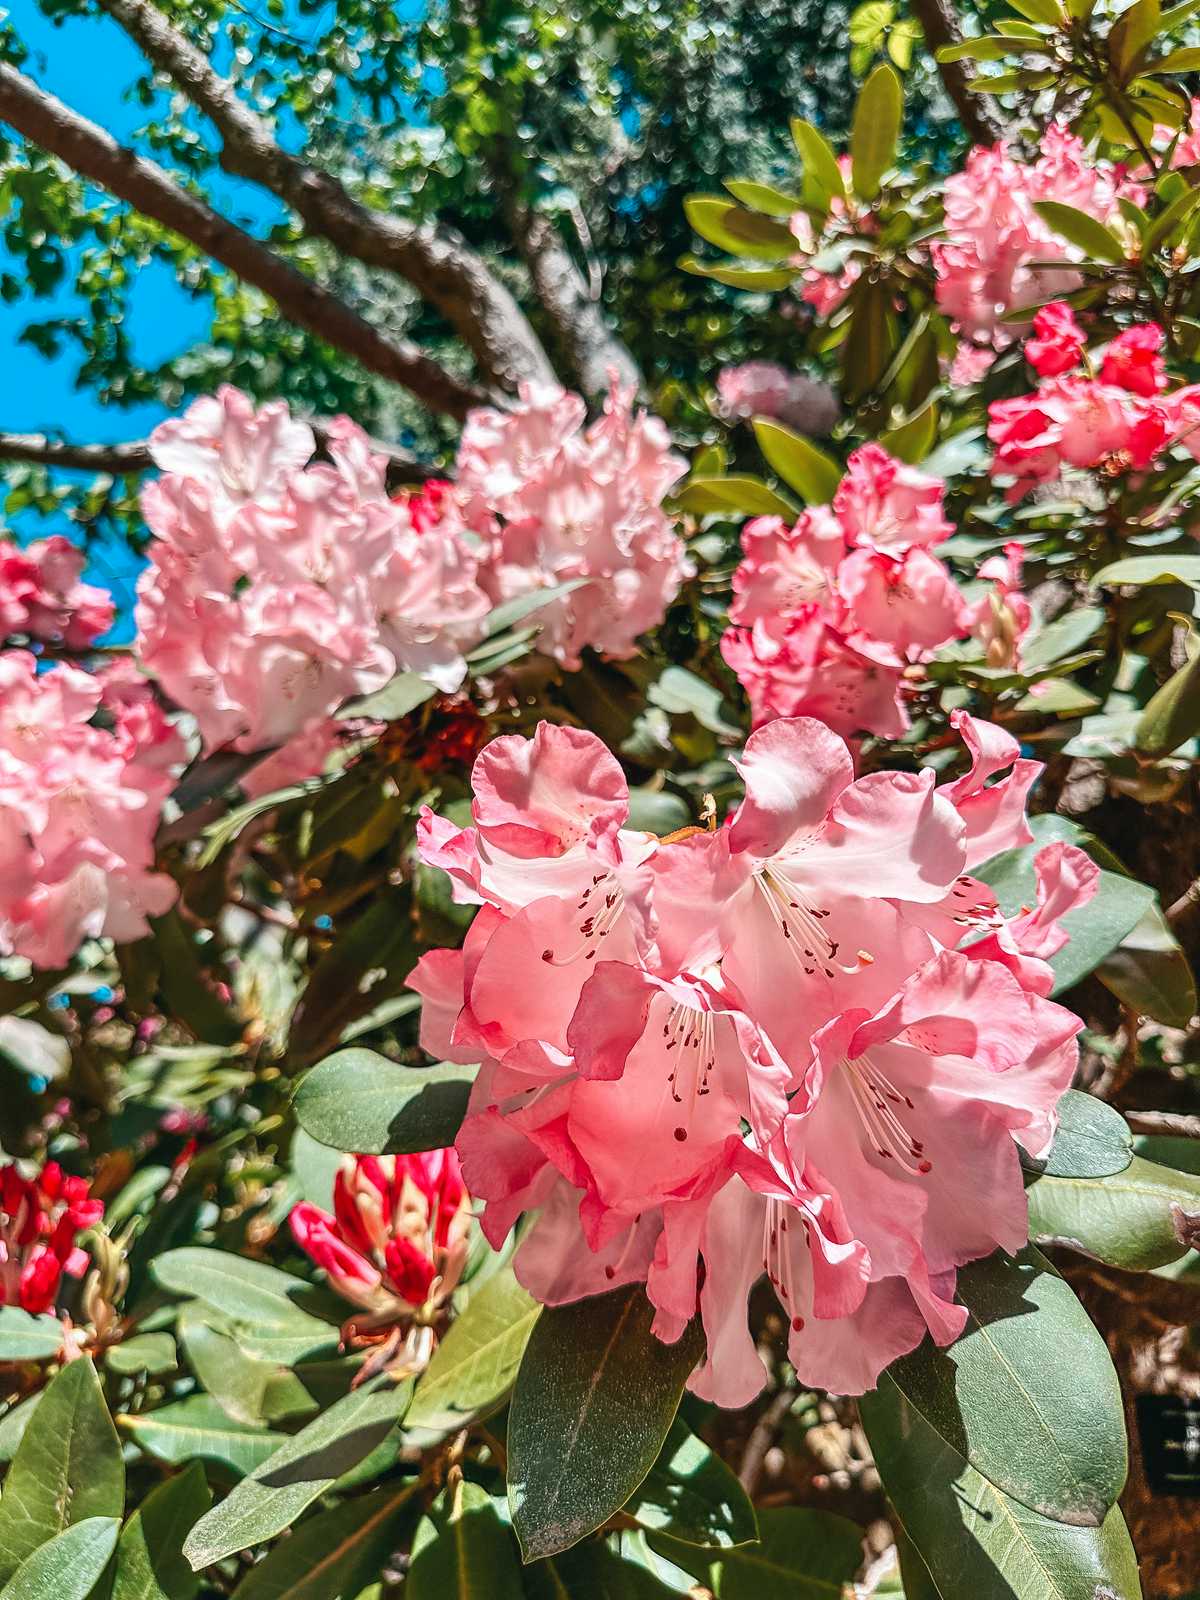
(1174, 1124)
(442, 269)
(133, 456)
(940, 27)
(587, 346)
(95, 154)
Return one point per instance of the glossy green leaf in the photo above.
(1097, 242)
(27, 1338)
(973, 1538)
(803, 467)
(153, 1353)
(1028, 1394)
(876, 129)
(402, 694)
(735, 495)
(462, 1548)
(802, 1554)
(1131, 34)
(67, 1468)
(247, 1388)
(332, 1555)
(743, 233)
(1143, 570)
(197, 1428)
(242, 1289)
(69, 1566)
(1143, 1217)
(763, 197)
(595, 1571)
(1167, 228)
(1150, 972)
(1046, 12)
(913, 440)
(1091, 1141)
(823, 180)
(989, 47)
(1095, 929)
(358, 1101)
(1065, 636)
(761, 280)
(150, 1560)
(692, 1495)
(302, 1469)
(476, 1364)
(1172, 715)
(681, 693)
(595, 1397)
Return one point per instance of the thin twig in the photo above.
(1173, 1123)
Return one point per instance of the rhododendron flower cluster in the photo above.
(992, 259)
(277, 589)
(557, 503)
(765, 389)
(1116, 423)
(42, 598)
(79, 807)
(801, 1045)
(41, 1219)
(396, 1243)
(828, 613)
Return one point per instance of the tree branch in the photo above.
(940, 27)
(586, 345)
(133, 456)
(442, 269)
(95, 154)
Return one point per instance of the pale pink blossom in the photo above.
(886, 505)
(785, 570)
(765, 389)
(1001, 617)
(808, 668)
(559, 503)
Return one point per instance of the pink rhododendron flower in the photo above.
(41, 595)
(41, 1219)
(276, 590)
(992, 259)
(785, 570)
(1075, 422)
(1134, 361)
(79, 807)
(885, 505)
(808, 668)
(396, 1244)
(558, 502)
(765, 389)
(1058, 341)
(755, 1051)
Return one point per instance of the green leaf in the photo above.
(681, 693)
(1046, 12)
(235, 1286)
(761, 280)
(361, 1102)
(247, 1388)
(1143, 570)
(462, 1548)
(823, 180)
(1065, 636)
(1095, 929)
(803, 467)
(379, 945)
(402, 694)
(476, 1364)
(154, 1353)
(1149, 972)
(595, 1571)
(1172, 715)
(333, 1554)
(876, 128)
(1096, 241)
(802, 1554)
(762, 197)
(1130, 35)
(692, 1495)
(150, 1562)
(973, 1538)
(197, 1428)
(27, 1338)
(1167, 227)
(69, 1566)
(990, 47)
(737, 495)
(1138, 1219)
(1028, 1394)
(595, 1398)
(741, 232)
(913, 440)
(67, 1468)
(304, 1468)
(1092, 1140)
(509, 612)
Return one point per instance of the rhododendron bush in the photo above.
(619, 1018)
